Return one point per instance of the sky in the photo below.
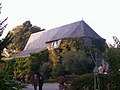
(103, 16)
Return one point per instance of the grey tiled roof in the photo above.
(76, 29)
(37, 41)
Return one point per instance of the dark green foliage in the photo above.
(77, 57)
(2, 28)
(103, 80)
(60, 70)
(7, 79)
(16, 67)
(9, 66)
(2, 22)
(83, 81)
(4, 42)
(112, 55)
(37, 60)
(113, 79)
(7, 82)
(75, 62)
(19, 67)
(46, 70)
(99, 44)
(27, 24)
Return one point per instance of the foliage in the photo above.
(77, 62)
(46, 70)
(7, 82)
(19, 67)
(39, 63)
(2, 27)
(7, 79)
(86, 80)
(59, 70)
(19, 37)
(16, 67)
(3, 44)
(99, 44)
(37, 60)
(76, 44)
(65, 46)
(112, 55)
(114, 79)
(76, 56)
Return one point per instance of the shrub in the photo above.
(82, 81)
(112, 79)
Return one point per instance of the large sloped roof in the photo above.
(37, 41)
(76, 29)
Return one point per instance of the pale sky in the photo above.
(103, 16)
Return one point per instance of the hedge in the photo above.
(104, 81)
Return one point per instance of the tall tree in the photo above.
(2, 25)
(2, 28)
(7, 82)
(19, 37)
(36, 61)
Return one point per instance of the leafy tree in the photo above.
(112, 55)
(77, 62)
(4, 43)
(37, 60)
(7, 82)
(2, 27)
(75, 56)
(76, 44)
(19, 37)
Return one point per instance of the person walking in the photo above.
(40, 81)
(34, 81)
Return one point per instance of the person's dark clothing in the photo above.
(23, 79)
(37, 80)
(34, 81)
(40, 81)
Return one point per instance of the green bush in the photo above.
(8, 82)
(103, 80)
(19, 67)
(82, 81)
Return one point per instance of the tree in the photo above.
(37, 60)
(2, 27)
(74, 55)
(7, 82)
(19, 37)
(112, 55)
(77, 62)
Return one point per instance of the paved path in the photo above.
(46, 86)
